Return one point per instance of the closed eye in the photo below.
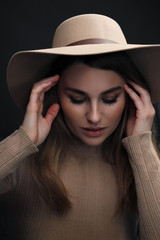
(109, 101)
(77, 100)
(104, 96)
(82, 100)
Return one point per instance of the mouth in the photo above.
(93, 129)
(93, 132)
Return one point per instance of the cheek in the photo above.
(71, 113)
(116, 112)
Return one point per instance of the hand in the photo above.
(141, 110)
(36, 126)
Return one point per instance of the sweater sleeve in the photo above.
(13, 150)
(145, 164)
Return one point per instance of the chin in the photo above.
(89, 140)
(93, 142)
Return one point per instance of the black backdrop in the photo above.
(31, 24)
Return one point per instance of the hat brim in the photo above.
(27, 67)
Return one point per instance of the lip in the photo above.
(93, 132)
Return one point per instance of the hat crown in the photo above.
(86, 27)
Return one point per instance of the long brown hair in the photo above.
(46, 163)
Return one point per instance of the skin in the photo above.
(36, 126)
(100, 103)
(93, 111)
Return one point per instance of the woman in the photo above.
(83, 183)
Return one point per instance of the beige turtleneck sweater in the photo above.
(92, 188)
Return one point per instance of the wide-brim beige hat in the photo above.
(86, 34)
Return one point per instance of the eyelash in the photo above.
(112, 101)
(77, 101)
(80, 101)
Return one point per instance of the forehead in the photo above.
(83, 77)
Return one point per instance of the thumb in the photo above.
(52, 113)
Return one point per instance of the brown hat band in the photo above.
(92, 41)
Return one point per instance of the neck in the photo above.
(84, 151)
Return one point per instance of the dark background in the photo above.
(30, 25)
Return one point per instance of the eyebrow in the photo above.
(74, 90)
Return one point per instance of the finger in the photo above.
(52, 79)
(37, 93)
(133, 95)
(35, 100)
(52, 113)
(41, 98)
(144, 94)
(45, 84)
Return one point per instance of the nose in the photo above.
(94, 114)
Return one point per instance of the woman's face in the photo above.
(92, 101)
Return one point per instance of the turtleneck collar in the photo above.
(82, 151)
